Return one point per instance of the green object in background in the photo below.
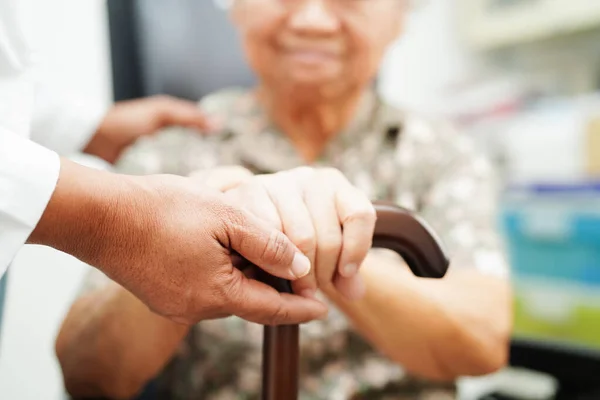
(576, 322)
(553, 235)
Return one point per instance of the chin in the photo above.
(311, 81)
(312, 90)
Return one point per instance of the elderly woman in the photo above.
(388, 335)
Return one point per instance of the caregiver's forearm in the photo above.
(439, 329)
(110, 344)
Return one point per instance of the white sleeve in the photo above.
(62, 121)
(28, 176)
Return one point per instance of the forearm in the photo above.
(110, 344)
(96, 216)
(440, 329)
(81, 210)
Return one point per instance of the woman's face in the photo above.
(317, 46)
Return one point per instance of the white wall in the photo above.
(427, 58)
(71, 35)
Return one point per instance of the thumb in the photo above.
(260, 303)
(265, 247)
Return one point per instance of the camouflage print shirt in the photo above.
(422, 165)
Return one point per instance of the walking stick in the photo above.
(397, 229)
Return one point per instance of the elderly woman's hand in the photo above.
(127, 121)
(331, 221)
(222, 178)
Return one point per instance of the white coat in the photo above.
(36, 126)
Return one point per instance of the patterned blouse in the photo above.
(391, 155)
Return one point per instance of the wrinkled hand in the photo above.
(170, 242)
(222, 178)
(331, 221)
(129, 120)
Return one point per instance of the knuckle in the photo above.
(198, 174)
(262, 181)
(330, 242)
(369, 213)
(333, 173)
(243, 189)
(305, 241)
(276, 248)
(239, 170)
(279, 315)
(303, 170)
(301, 173)
(364, 213)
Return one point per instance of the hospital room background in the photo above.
(521, 77)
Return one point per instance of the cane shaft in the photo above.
(280, 362)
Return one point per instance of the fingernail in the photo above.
(308, 293)
(300, 265)
(350, 270)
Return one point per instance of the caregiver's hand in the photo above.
(168, 240)
(129, 120)
(331, 221)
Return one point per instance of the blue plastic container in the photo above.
(552, 234)
(554, 231)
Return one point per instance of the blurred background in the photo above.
(520, 76)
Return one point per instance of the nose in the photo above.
(314, 16)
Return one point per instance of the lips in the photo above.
(310, 50)
(311, 56)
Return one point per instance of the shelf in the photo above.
(489, 24)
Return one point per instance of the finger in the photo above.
(352, 288)
(173, 111)
(357, 216)
(260, 303)
(253, 197)
(222, 178)
(297, 225)
(321, 205)
(264, 246)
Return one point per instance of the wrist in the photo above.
(102, 146)
(87, 215)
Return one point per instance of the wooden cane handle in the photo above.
(399, 230)
(407, 234)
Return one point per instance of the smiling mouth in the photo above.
(311, 57)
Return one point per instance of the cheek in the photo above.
(258, 26)
(259, 52)
(369, 42)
